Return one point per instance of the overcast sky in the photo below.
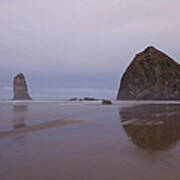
(82, 43)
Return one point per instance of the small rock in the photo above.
(89, 99)
(106, 102)
(73, 99)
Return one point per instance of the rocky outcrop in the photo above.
(106, 102)
(90, 99)
(152, 75)
(20, 88)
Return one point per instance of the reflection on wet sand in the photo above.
(19, 115)
(20, 127)
(56, 123)
(153, 127)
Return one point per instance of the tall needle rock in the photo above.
(152, 75)
(20, 88)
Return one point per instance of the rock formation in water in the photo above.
(90, 99)
(106, 102)
(20, 88)
(152, 75)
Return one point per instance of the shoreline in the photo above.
(94, 102)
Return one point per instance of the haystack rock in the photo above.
(152, 75)
(20, 88)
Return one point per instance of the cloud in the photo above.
(88, 38)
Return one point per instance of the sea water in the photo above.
(61, 93)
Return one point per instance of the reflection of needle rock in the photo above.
(19, 123)
(20, 88)
(42, 126)
(153, 127)
(19, 115)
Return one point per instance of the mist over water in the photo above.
(6, 93)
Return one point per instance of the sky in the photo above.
(82, 43)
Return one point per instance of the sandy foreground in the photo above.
(55, 140)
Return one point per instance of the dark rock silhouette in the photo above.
(152, 75)
(106, 102)
(153, 126)
(89, 99)
(20, 88)
(73, 99)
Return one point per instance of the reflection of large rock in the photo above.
(155, 127)
(152, 75)
(20, 88)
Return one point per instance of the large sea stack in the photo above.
(20, 88)
(152, 75)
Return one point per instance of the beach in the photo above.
(65, 140)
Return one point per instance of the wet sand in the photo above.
(38, 127)
(47, 141)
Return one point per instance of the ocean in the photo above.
(6, 93)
